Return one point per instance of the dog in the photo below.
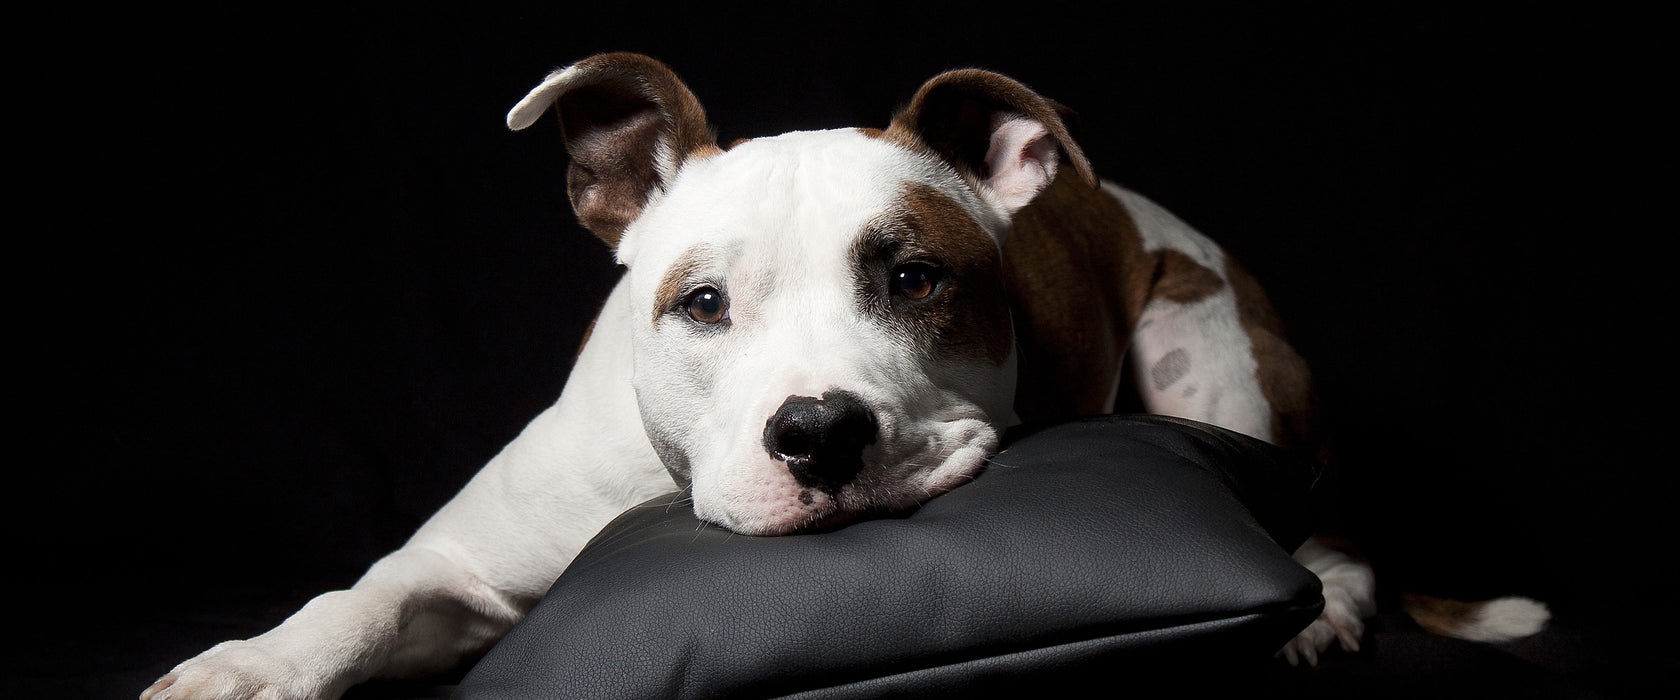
(815, 326)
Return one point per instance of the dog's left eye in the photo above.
(916, 280)
(706, 306)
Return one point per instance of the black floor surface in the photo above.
(118, 650)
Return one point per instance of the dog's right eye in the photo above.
(916, 280)
(706, 306)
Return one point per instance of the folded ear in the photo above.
(1005, 138)
(629, 124)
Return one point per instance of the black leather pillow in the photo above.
(1119, 545)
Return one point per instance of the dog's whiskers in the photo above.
(677, 498)
(681, 497)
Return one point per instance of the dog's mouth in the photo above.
(771, 497)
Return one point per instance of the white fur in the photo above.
(1161, 230)
(1505, 619)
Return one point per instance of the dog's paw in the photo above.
(1349, 596)
(240, 669)
(1336, 624)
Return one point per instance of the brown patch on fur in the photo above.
(613, 118)
(1071, 344)
(1439, 615)
(1285, 380)
(1178, 277)
(1077, 277)
(970, 311)
(678, 277)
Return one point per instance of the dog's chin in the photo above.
(837, 520)
(812, 523)
(776, 505)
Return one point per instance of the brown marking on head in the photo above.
(680, 278)
(969, 314)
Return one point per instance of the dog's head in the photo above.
(822, 322)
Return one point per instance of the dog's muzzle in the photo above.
(822, 440)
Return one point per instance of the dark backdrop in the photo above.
(310, 282)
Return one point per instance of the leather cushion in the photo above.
(1121, 543)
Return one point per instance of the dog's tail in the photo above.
(1493, 621)
(1350, 596)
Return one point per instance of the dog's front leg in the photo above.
(415, 611)
(1349, 598)
(477, 565)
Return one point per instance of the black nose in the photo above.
(821, 440)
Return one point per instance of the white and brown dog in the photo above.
(812, 326)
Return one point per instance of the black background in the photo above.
(296, 280)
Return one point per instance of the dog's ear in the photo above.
(629, 124)
(1005, 138)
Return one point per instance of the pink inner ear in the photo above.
(1020, 160)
